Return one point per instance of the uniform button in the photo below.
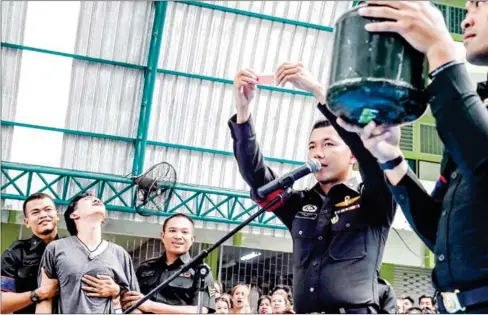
(300, 232)
(444, 213)
(348, 224)
(441, 257)
(315, 263)
(454, 175)
(320, 238)
(312, 289)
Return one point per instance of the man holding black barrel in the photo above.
(452, 220)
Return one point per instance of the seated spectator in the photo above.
(427, 302)
(408, 302)
(280, 303)
(400, 309)
(222, 305)
(286, 289)
(414, 310)
(264, 305)
(240, 299)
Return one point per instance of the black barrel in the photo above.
(374, 76)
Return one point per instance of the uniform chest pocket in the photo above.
(303, 234)
(348, 236)
(148, 281)
(184, 283)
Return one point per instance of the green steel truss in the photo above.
(202, 203)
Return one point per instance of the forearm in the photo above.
(461, 118)
(12, 302)
(419, 208)
(161, 308)
(248, 155)
(45, 307)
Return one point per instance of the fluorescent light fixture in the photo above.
(250, 256)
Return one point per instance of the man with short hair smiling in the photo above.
(427, 302)
(181, 295)
(20, 262)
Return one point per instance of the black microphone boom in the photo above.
(287, 180)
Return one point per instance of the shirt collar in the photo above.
(35, 242)
(183, 259)
(351, 185)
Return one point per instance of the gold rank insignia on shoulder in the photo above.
(347, 201)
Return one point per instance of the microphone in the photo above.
(287, 180)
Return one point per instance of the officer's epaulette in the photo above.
(19, 245)
(150, 261)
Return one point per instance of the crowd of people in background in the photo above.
(280, 301)
(426, 305)
(239, 300)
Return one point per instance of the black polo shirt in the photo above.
(339, 237)
(20, 267)
(182, 290)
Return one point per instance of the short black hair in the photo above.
(414, 310)
(70, 223)
(407, 297)
(35, 196)
(427, 297)
(176, 215)
(321, 124)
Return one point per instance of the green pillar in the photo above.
(212, 260)
(387, 272)
(429, 258)
(10, 233)
(237, 240)
(149, 83)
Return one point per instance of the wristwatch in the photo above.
(392, 163)
(34, 297)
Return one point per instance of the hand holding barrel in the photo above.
(420, 23)
(382, 141)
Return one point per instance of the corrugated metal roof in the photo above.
(315, 12)
(13, 23)
(115, 30)
(215, 43)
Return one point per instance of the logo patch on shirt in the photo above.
(309, 208)
(306, 215)
(186, 275)
(147, 273)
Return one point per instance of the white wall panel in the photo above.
(13, 25)
(115, 30)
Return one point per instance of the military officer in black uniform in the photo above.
(339, 227)
(451, 221)
(20, 262)
(181, 296)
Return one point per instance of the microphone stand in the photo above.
(198, 260)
